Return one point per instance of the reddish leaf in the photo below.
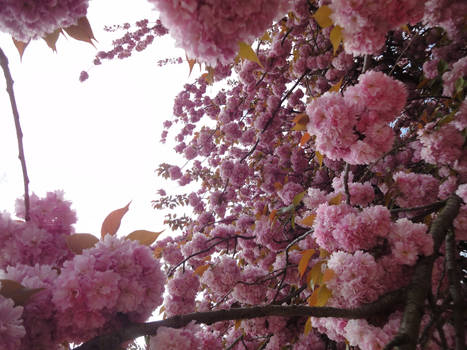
(20, 46)
(112, 221)
(201, 269)
(81, 31)
(16, 291)
(191, 64)
(51, 39)
(144, 237)
(305, 138)
(80, 241)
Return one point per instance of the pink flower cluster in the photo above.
(222, 275)
(441, 145)
(182, 289)
(365, 25)
(175, 339)
(38, 316)
(26, 20)
(344, 227)
(459, 70)
(11, 328)
(355, 127)
(41, 240)
(117, 276)
(415, 189)
(210, 30)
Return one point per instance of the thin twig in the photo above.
(346, 183)
(19, 133)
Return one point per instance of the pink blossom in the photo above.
(210, 30)
(174, 339)
(441, 145)
(116, 276)
(358, 279)
(39, 312)
(426, 186)
(32, 20)
(459, 70)
(182, 290)
(11, 328)
(222, 275)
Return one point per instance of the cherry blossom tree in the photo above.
(327, 198)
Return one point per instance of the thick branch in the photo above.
(113, 340)
(455, 290)
(421, 279)
(19, 133)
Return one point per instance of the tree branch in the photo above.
(421, 278)
(455, 290)
(19, 133)
(113, 340)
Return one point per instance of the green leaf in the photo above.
(459, 85)
(442, 67)
(246, 52)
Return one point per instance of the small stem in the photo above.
(19, 133)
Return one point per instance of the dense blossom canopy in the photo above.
(325, 165)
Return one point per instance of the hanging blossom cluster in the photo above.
(77, 296)
(355, 127)
(210, 30)
(365, 25)
(26, 20)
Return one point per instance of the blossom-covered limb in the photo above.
(383, 304)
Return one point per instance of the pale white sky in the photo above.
(98, 140)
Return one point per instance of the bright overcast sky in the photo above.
(97, 140)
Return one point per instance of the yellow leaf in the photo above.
(278, 186)
(51, 39)
(237, 324)
(336, 200)
(405, 28)
(308, 220)
(323, 253)
(328, 275)
(303, 263)
(305, 138)
(322, 16)
(266, 37)
(81, 31)
(201, 269)
(112, 221)
(79, 241)
(308, 326)
(323, 296)
(20, 46)
(246, 52)
(313, 298)
(16, 291)
(162, 309)
(144, 237)
(315, 275)
(336, 87)
(320, 158)
(298, 198)
(336, 38)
